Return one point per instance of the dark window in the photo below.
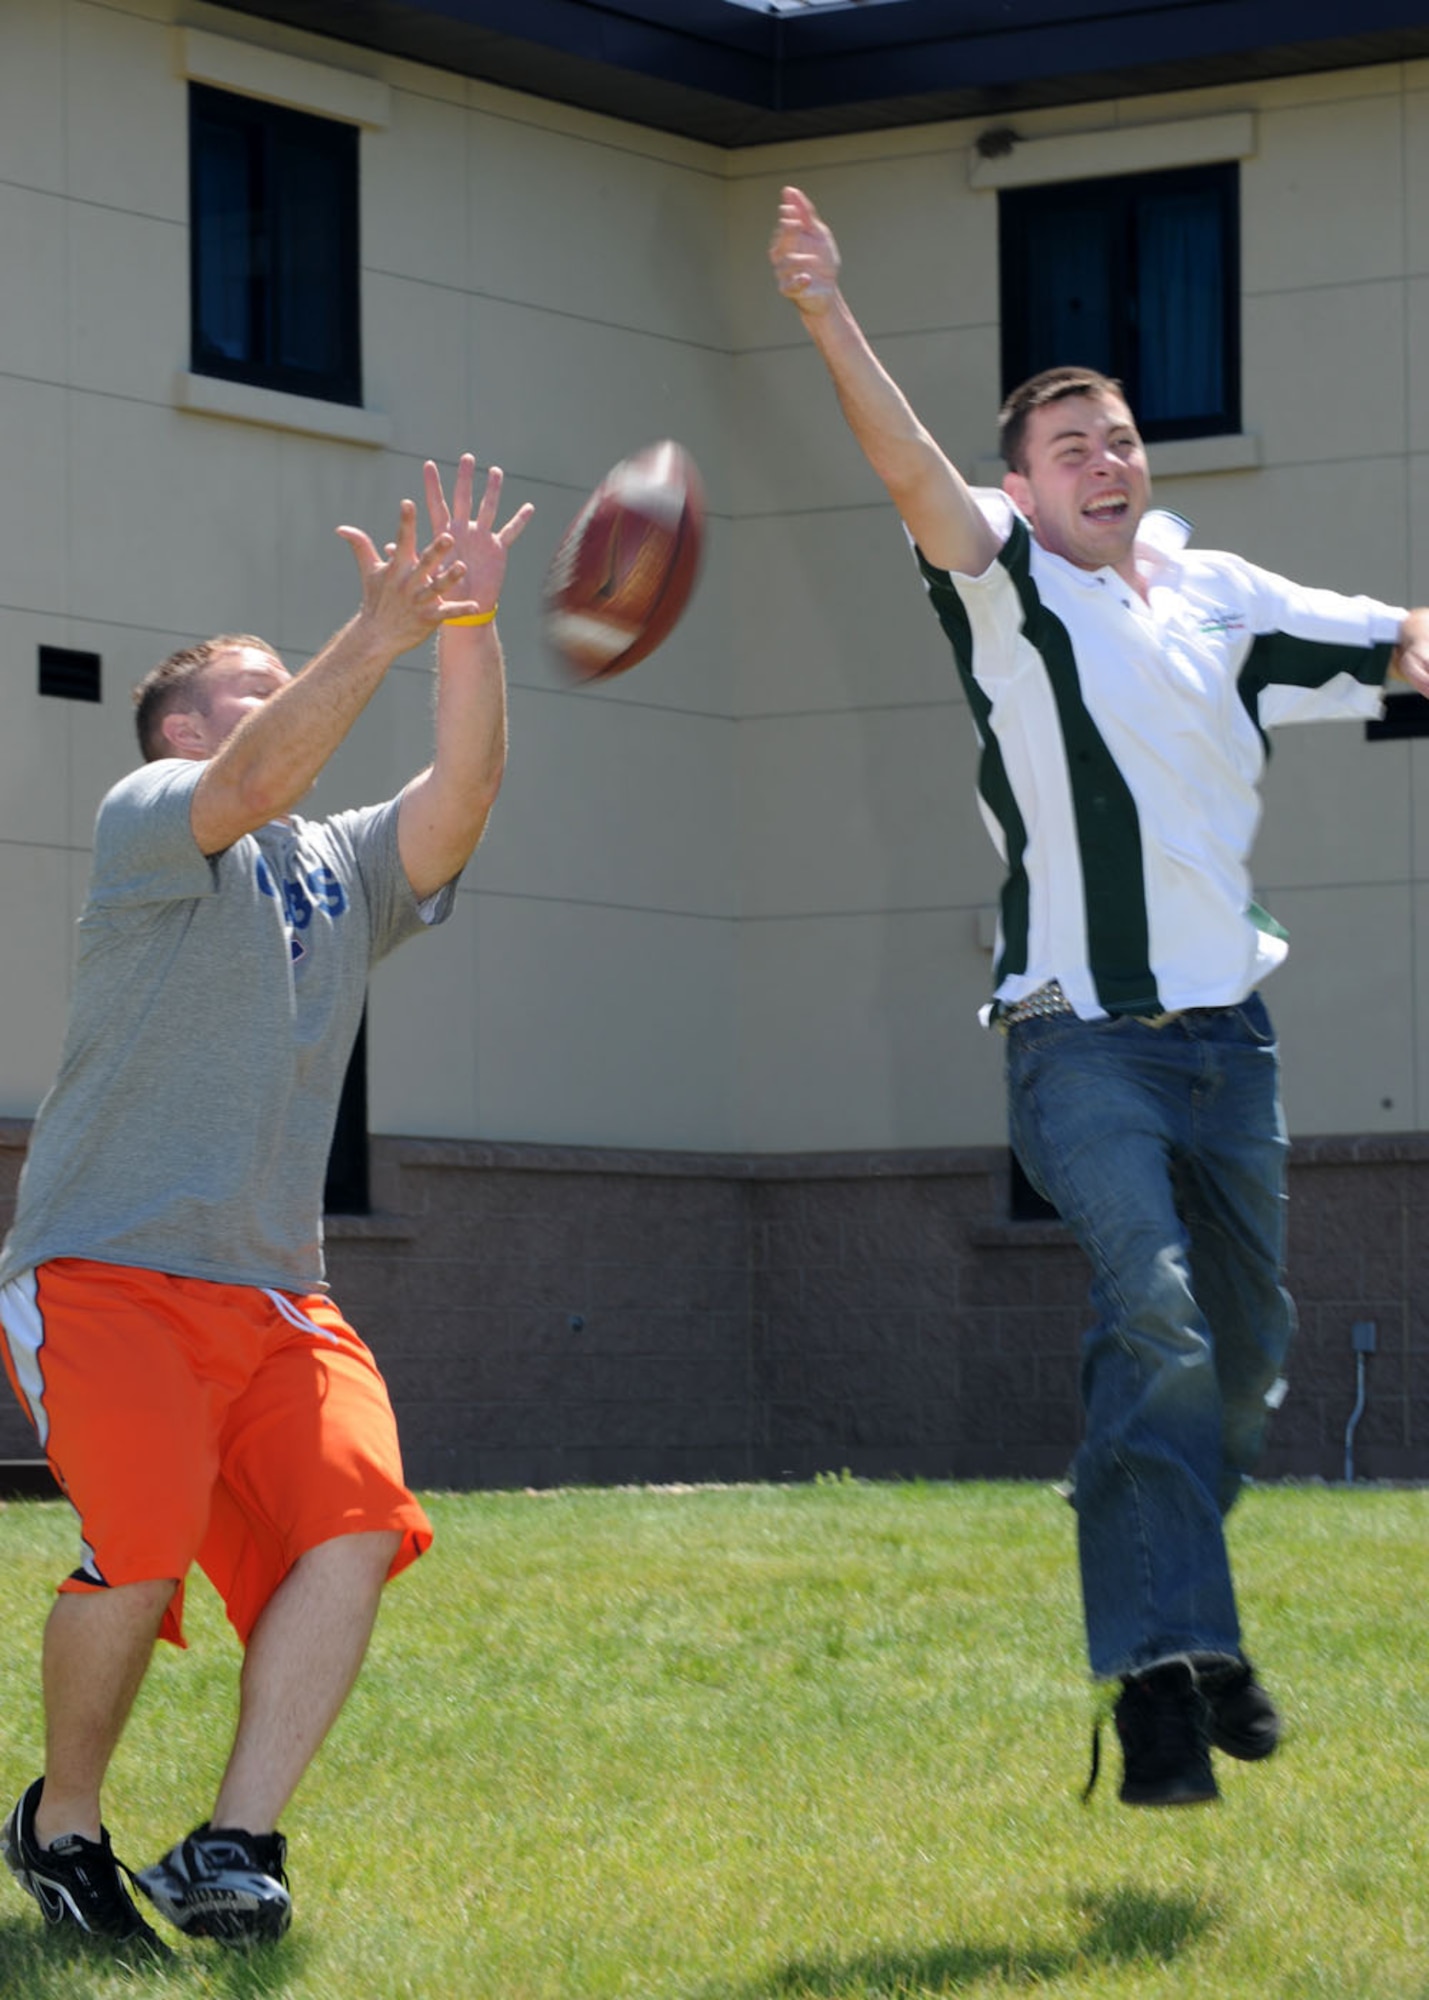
(273, 246)
(346, 1191)
(71, 675)
(1025, 1204)
(1138, 277)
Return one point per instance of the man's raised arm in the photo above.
(445, 808)
(927, 489)
(270, 760)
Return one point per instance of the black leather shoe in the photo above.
(1163, 1721)
(1244, 1720)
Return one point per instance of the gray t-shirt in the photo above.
(215, 1006)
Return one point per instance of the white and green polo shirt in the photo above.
(1123, 739)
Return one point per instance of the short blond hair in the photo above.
(176, 684)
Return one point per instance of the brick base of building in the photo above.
(568, 1315)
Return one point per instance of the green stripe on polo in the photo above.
(992, 781)
(1108, 824)
(1280, 659)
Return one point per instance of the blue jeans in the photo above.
(1164, 1150)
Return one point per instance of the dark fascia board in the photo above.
(1070, 41)
(734, 77)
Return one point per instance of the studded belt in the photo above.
(1050, 999)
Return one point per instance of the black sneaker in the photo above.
(224, 1883)
(1244, 1721)
(76, 1882)
(1163, 1721)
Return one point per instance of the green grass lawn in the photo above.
(790, 1743)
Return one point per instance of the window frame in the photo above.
(265, 125)
(1119, 193)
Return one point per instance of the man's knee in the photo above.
(1150, 1357)
(138, 1593)
(366, 1553)
(135, 1608)
(1150, 1306)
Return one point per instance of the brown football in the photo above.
(626, 565)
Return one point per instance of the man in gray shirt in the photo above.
(162, 1299)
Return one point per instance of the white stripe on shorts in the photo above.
(25, 1336)
(295, 1318)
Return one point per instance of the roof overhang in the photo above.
(732, 76)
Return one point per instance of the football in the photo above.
(625, 567)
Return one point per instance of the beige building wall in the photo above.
(737, 900)
(545, 286)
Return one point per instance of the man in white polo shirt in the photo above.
(1122, 685)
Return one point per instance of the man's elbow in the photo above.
(257, 799)
(436, 844)
(223, 812)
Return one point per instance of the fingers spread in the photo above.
(407, 532)
(461, 491)
(491, 495)
(362, 548)
(516, 525)
(437, 507)
(434, 554)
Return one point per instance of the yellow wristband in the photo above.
(481, 618)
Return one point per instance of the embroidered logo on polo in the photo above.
(316, 892)
(1223, 621)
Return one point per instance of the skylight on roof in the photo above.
(803, 6)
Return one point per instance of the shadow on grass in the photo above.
(252, 1975)
(1122, 1927)
(42, 1964)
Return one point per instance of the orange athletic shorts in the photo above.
(195, 1422)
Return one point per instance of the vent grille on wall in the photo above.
(70, 675)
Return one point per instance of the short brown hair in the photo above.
(171, 686)
(1053, 385)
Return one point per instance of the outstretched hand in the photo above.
(407, 592)
(1411, 653)
(478, 545)
(804, 254)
